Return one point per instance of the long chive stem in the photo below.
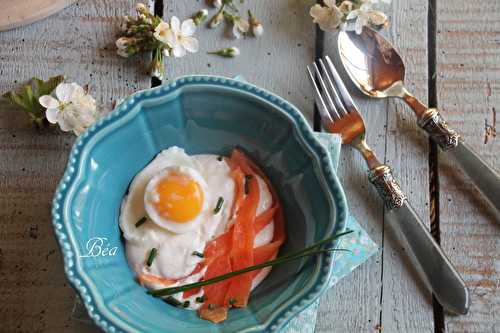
(308, 251)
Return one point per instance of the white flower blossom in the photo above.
(328, 17)
(73, 110)
(161, 31)
(366, 15)
(240, 26)
(180, 37)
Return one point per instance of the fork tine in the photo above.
(346, 97)
(338, 101)
(322, 108)
(326, 95)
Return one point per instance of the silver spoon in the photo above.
(377, 69)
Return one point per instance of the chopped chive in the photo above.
(219, 158)
(232, 301)
(185, 304)
(200, 299)
(218, 206)
(140, 222)
(152, 256)
(172, 301)
(311, 250)
(211, 306)
(247, 185)
(198, 254)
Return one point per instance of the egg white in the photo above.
(174, 258)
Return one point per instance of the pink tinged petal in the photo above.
(179, 51)
(175, 24)
(188, 27)
(48, 102)
(52, 115)
(190, 44)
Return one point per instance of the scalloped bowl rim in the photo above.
(88, 292)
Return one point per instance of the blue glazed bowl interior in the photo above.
(201, 117)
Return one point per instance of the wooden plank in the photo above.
(77, 42)
(468, 85)
(386, 292)
(276, 61)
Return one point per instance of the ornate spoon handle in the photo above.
(431, 262)
(484, 177)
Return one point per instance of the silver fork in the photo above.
(340, 115)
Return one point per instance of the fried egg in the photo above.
(178, 193)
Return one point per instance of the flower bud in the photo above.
(125, 42)
(255, 25)
(200, 16)
(229, 52)
(217, 3)
(141, 8)
(346, 7)
(216, 20)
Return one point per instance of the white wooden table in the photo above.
(452, 50)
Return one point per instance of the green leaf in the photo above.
(27, 98)
(47, 87)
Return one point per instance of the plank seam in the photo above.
(157, 10)
(438, 313)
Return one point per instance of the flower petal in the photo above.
(175, 24)
(243, 25)
(330, 3)
(236, 31)
(48, 102)
(318, 13)
(52, 115)
(179, 51)
(65, 91)
(65, 124)
(190, 44)
(171, 39)
(188, 28)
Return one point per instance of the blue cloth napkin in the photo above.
(359, 243)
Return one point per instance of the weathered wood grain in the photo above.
(468, 83)
(77, 42)
(393, 299)
(276, 61)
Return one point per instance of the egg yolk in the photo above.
(180, 198)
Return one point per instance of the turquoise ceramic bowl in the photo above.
(202, 114)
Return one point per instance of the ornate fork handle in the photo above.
(387, 187)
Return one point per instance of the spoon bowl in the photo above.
(372, 63)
